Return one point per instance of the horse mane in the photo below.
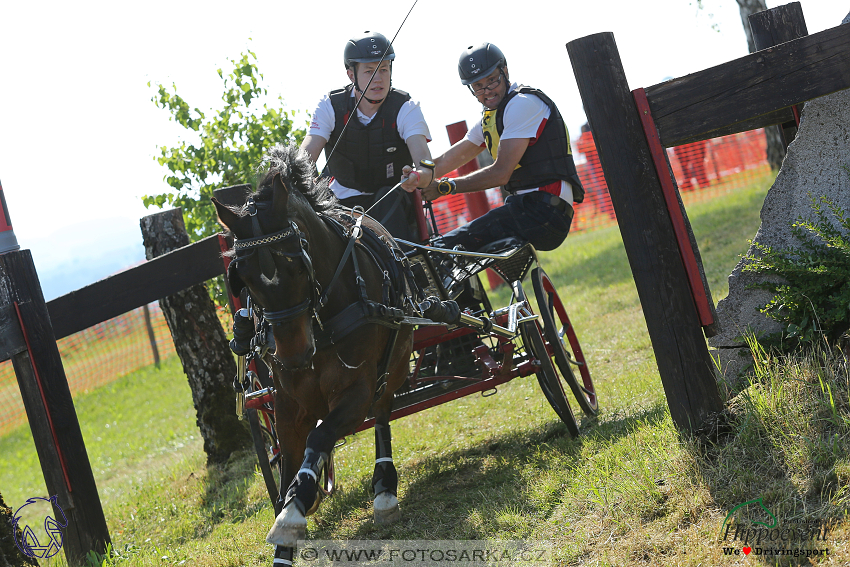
(296, 171)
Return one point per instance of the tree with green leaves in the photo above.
(230, 143)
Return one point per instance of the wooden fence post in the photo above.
(775, 26)
(151, 334)
(685, 366)
(26, 336)
(29, 342)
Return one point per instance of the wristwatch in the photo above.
(447, 186)
(428, 164)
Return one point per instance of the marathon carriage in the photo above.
(461, 343)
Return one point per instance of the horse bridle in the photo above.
(260, 243)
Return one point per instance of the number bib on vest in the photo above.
(491, 133)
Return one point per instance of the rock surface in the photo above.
(816, 165)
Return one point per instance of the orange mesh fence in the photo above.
(703, 170)
(451, 211)
(94, 357)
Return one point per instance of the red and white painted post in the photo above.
(8, 242)
(476, 202)
(27, 339)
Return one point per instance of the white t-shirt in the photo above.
(409, 122)
(525, 115)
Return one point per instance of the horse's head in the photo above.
(272, 260)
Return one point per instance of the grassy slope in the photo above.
(629, 491)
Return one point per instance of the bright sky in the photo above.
(78, 130)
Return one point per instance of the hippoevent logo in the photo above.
(29, 544)
(751, 528)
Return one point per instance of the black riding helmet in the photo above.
(478, 62)
(367, 48)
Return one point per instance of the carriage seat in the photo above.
(502, 245)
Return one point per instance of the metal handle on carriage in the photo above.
(261, 396)
(486, 325)
(456, 252)
(240, 395)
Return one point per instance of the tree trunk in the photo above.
(10, 555)
(201, 344)
(775, 147)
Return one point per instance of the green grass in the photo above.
(630, 491)
(141, 419)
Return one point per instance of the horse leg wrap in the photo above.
(303, 490)
(385, 478)
(283, 555)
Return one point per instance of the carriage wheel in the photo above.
(548, 376)
(266, 444)
(567, 353)
(268, 451)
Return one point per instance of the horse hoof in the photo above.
(289, 526)
(386, 508)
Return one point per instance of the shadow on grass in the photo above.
(226, 494)
(778, 466)
(481, 483)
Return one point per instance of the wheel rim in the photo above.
(556, 327)
(266, 444)
(548, 376)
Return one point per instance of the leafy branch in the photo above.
(812, 300)
(230, 143)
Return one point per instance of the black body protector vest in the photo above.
(369, 157)
(550, 159)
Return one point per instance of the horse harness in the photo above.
(398, 283)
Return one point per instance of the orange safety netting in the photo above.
(94, 357)
(703, 170)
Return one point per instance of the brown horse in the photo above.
(286, 253)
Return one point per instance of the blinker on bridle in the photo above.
(261, 243)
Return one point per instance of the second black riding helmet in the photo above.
(367, 48)
(477, 62)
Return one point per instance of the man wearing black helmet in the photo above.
(385, 133)
(526, 136)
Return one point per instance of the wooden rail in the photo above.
(753, 91)
(138, 286)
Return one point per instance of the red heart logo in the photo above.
(747, 550)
